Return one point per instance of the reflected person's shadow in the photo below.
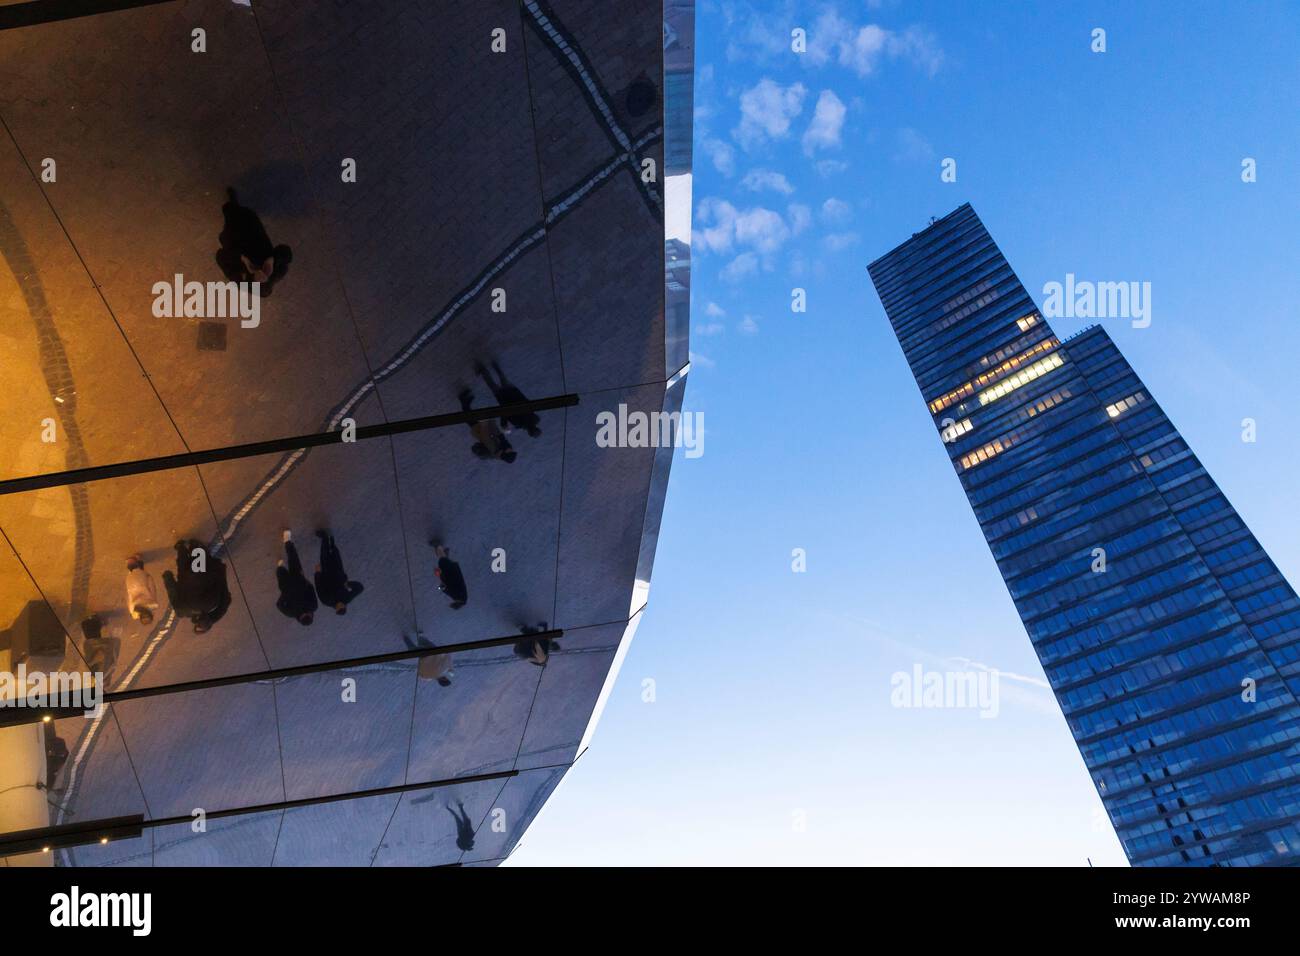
(246, 253)
(464, 826)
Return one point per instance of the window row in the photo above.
(1115, 409)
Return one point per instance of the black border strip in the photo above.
(51, 11)
(141, 466)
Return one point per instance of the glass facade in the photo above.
(1169, 637)
(380, 651)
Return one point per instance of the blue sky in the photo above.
(772, 738)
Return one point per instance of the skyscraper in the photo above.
(1169, 637)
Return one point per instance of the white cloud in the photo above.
(714, 310)
(827, 123)
(762, 229)
(766, 111)
(749, 325)
(800, 217)
(751, 34)
(861, 51)
(720, 227)
(835, 210)
(829, 167)
(721, 153)
(700, 360)
(712, 328)
(863, 48)
(760, 179)
(823, 132)
(839, 241)
(745, 264)
(918, 46)
(714, 228)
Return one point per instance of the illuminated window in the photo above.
(955, 430)
(995, 447)
(1010, 349)
(939, 404)
(1124, 404)
(1027, 322)
(1048, 401)
(1023, 377)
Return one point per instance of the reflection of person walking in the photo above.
(200, 595)
(535, 650)
(504, 391)
(435, 667)
(431, 666)
(332, 584)
(246, 253)
(98, 651)
(464, 828)
(450, 581)
(141, 594)
(297, 597)
(488, 440)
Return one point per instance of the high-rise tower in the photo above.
(1169, 637)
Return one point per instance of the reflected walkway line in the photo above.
(57, 372)
(570, 55)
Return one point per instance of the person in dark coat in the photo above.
(450, 580)
(332, 584)
(246, 253)
(56, 755)
(297, 596)
(488, 440)
(202, 596)
(506, 394)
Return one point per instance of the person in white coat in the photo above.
(141, 593)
